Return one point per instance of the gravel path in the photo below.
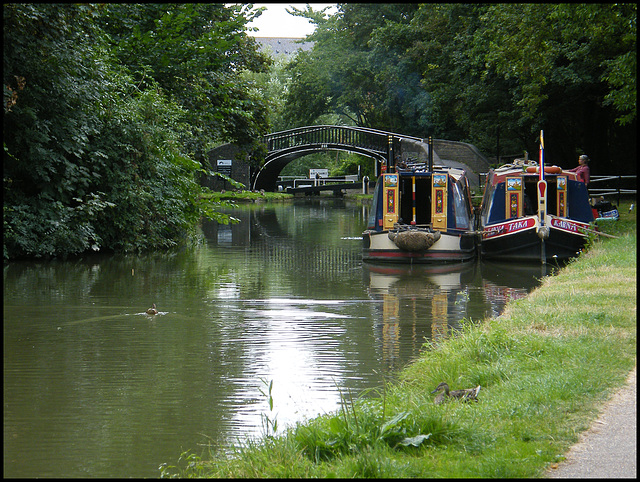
(608, 448)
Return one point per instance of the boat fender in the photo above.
(543, 232)
(547, 169)
(414, 240)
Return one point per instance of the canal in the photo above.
(95, 387)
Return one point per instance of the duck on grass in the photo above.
(465, 394)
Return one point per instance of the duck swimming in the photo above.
(465, 394)
(152, 310)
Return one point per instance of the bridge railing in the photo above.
(370, 139)
(323, 181)
(285, 146)
(319, 135)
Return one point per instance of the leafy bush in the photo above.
(98, 153)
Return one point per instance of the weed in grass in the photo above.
(188, 465)
(269, 425)
(362, 424)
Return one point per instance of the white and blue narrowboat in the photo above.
(420, 215)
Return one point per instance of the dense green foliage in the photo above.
(493, 75)
(108, 111)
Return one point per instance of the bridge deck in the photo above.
(328, 187)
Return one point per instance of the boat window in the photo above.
(371, 223)
(530, 195)
(460, 206)
(552, 199)
(496, 211)
(486, 201)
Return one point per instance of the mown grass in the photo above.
(546, 365)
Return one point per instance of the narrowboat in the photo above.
(420, 214)
(532, 214)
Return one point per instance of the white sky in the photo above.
(276, 22)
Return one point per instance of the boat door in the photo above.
(439, 185)
(514, 201)
(561, 195)
(390, 201)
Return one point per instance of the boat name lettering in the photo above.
(517, 226)
(566, 225)
(507, 228)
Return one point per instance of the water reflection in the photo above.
(502, 282)
(420, 303)
(95, 387)
(426, 303)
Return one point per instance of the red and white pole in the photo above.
(542, 186)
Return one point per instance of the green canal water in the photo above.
(95, 387)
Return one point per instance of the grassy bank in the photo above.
(545, 365)
(249, 196)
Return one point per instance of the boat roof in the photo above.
(518, 168)
(410, 170)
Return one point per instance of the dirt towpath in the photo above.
(609, 448)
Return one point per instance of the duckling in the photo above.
(152, 310)
(465, 394)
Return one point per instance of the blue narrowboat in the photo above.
(420, 214)
(529, 216)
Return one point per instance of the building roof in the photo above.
(287, 46)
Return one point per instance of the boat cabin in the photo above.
(513, 194)
(438, 199)
(421, 216)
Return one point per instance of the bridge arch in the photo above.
(384, 147)
(286, 146)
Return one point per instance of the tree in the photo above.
(100, 157)
(196, 53)
(569, 62)
(52, 76)
(489, 74)
(343, 75)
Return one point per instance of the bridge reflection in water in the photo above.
(414, 304)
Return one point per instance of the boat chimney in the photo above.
(430, 154)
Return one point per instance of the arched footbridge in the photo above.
(286, 146)
(386, 148)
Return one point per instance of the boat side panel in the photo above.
(526, 246)
(578, 200)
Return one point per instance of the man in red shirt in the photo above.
(582, 171)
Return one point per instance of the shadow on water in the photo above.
(93, 386)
